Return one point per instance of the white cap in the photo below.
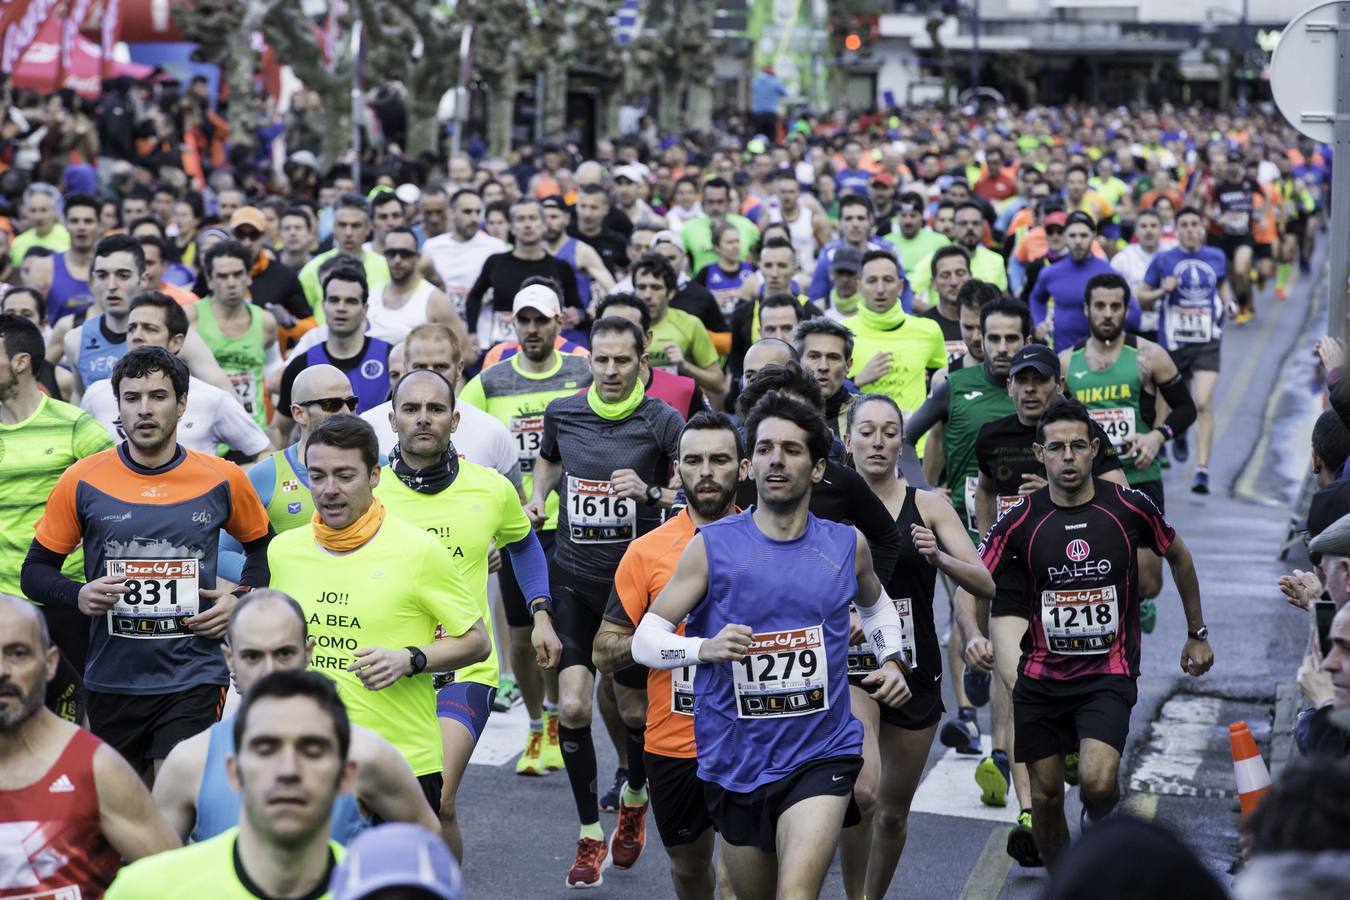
(668, 237)
(537, 297)
(633, 172)
(408, 193)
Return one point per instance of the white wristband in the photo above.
(657, 646)
(881, 624)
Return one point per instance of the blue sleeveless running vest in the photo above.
(218, 804)
(97, 354)
(369, 378)
(786, 703)
(568, 254)
(67, 294)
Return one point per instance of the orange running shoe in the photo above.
(630, 835)
(590, 862)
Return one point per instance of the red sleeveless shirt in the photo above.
(51, 844)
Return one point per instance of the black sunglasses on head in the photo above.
(333, 404)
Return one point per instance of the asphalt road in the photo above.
(520, 834)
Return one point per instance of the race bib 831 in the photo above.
(161, 596)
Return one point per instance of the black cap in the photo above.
(1038, 357)
(553, 201)
(846, 259)
(1078, 216)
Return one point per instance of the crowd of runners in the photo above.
(711, 435)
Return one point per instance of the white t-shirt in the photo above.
(1131, 264)
(212, 417)
(480, 438)
(459, 262)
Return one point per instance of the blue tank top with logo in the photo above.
(218, 803)
(68, 294)
(369, 374)
(98, 351)
(786, 703)
(568, 254)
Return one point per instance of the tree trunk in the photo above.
(501, 109)
(698, 116)
(424, 130)
(337, 126)
(554, 102)
(238, 74)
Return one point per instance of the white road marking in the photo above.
(949, 789)
(1176, 746)
(503, 739)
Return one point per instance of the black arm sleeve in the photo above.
(1182, 414)
(933, 411)
(256, 572)
(473, 301)
(852, 501)
(40, 578)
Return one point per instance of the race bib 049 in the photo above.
(161, 596)
(1082, 622)
(861, 658)
(597, 515)
(785, 673)
(1117, 422)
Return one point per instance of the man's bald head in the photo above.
(768, 352)
(267, 632)
(269, 603)
(398, 363)
(17, 615)
(431, 376)
(318, 383)
(29, 663)
(589, 172)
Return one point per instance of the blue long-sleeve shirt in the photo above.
(1065, 282)
(822, 279)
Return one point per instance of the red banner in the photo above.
(21, 21)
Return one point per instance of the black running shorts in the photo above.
(677, 799)
(751, 819)
(1051, 718)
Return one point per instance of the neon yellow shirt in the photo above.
(391, 593)
(686, 332)
(204, 869)
(916, 346)
(478, 510)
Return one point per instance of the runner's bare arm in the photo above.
(440, 309)
(179, 779)
(385, 784)
(613, 647)
(881, 624)
(985, 505)
(1196, 656)
(953, 554)
(127, 816)
(547, 476)
(978, 651)
(686, 587)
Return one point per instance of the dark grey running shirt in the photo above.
(594, 526)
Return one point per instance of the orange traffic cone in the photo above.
(1249, 769)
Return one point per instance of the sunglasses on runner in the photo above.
(398, 253)
(333, 404)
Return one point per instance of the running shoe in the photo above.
(1148, 616)
(1244, 316)
(1201, 483)
(590, 862)
(1181, 448)
(1281, 293)
(630, 835)
(977, 686)
(962, 733)
(531, 762)
(993, 775)
(610, 802)
(508, 695)
(1022, 843)
(1071, 768)
(552, 755)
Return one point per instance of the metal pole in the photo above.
(1340, 181)
(975, 45)
(357, 101)
(462, 88)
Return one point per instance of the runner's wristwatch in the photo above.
(653, 494)
(419, 661)
(543, 603)
(1199, 634)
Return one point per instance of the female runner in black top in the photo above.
(896, 740)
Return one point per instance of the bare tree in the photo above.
(221, 29)
(292, 36)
